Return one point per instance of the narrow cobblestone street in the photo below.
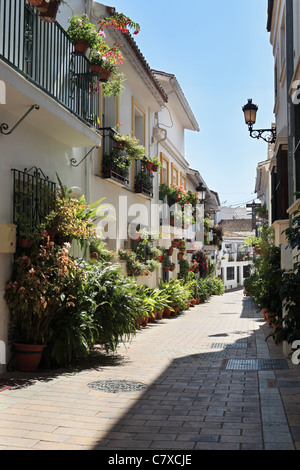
(206, 379)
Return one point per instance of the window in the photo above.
(138, 121)
(164, 174)
(182, 180)
(174, 174)
(246, 271)
(230, 274)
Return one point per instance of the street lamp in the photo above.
(250, 111)
(201, 190)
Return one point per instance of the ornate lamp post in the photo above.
(201, 190)
(250, 111)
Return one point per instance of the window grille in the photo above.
(33, 198)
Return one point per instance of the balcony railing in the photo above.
(44, 55)
(115, 163)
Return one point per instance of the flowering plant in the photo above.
(81, 29)
(96, 58)
(72, 218)
(41, 286)
(155, 161)
(131, 145)
(121, 22)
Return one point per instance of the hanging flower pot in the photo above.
(81, 46)
(180, 256)
(149, 165)
(28, 356)
(120, 144)
(103, 73)
(25, 243)
(174, 243)
(48, 10)
(166, 269)
(155, 168)
(170, 251)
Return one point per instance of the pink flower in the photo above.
(79, 22)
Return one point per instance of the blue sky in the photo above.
(221, 55)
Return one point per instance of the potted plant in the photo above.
(83, 34)
(71, 218)
(156, 164)
(143, 181)
(40, 287)
(47, 9)
(148, 163)
(100, 65)
(172, 267)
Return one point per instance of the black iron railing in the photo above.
(115, 162)
(44, 55)
(33, 198)
(143, 182)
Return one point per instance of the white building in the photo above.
(235, 261)
(47, 107)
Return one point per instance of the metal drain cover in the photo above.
(228, 345)
(117, 386)
(256, 364)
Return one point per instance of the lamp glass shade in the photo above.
(201, 190)
(250, 110)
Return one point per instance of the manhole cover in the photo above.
(228, 345)
(256, 364)
(117, 386)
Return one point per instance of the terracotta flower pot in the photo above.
(25, 243)
(149, 165)
(167, 312)
(81, 46)
(103, 73)
(28, 356)
(48, 10)
(155, 168)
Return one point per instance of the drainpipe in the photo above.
(289, 28)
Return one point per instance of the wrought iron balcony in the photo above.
(43, 54)
(115, 162)
(143, 182)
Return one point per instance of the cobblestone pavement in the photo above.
(206, 379)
